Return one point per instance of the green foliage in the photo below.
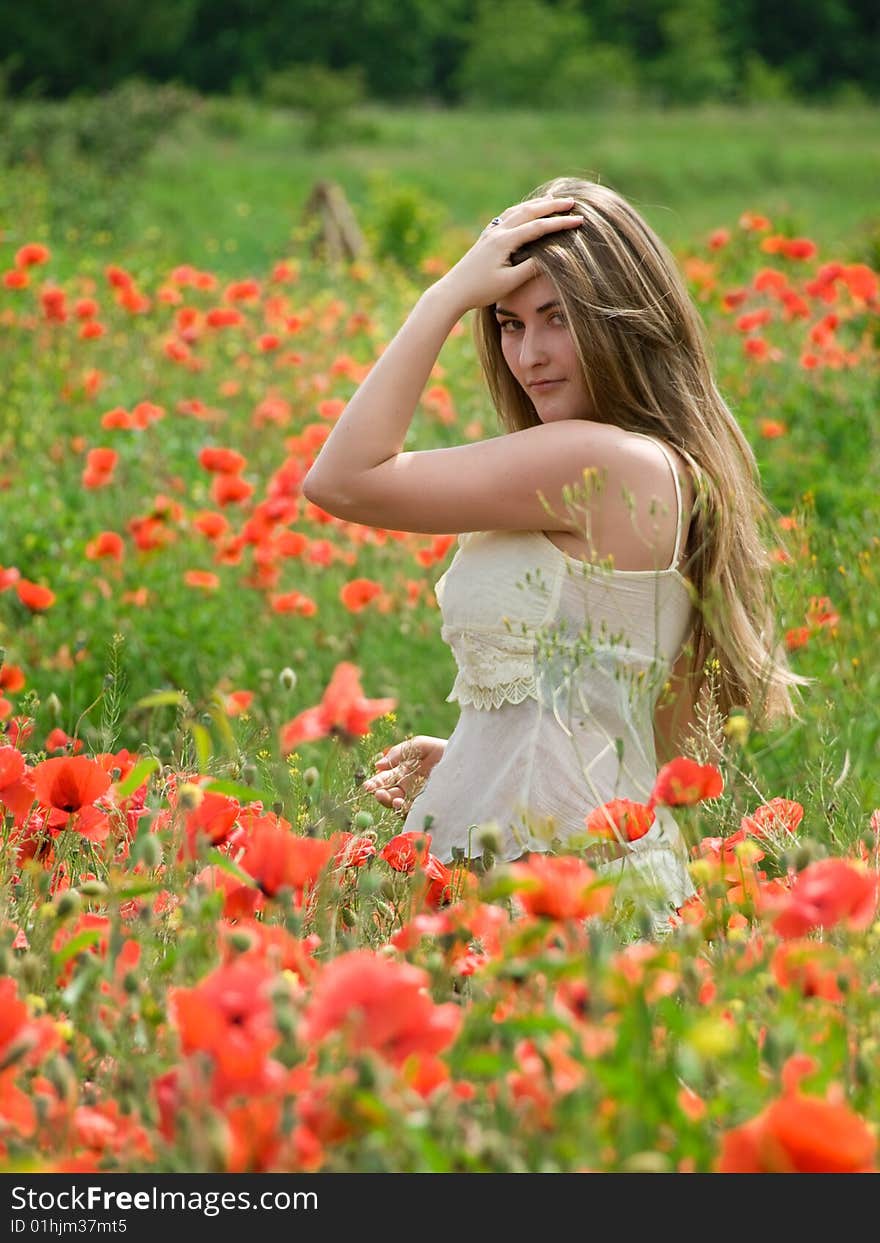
(694, 65)
(90, 148)
(325, 97)
(763, 83)
(401, 223)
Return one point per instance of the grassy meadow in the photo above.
(170, 601)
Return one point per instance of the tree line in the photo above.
(487, 52)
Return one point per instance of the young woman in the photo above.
(608, 546)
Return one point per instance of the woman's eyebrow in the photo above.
(499, 310)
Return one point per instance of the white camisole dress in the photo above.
(560, 665)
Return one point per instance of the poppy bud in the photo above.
(148, 851)
(67, 904)
(363, 820)
(93, 889)
(311, 776)
(189, 796)
(287, 678)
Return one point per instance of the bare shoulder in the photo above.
(634, 516)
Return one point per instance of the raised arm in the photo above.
(354, 475)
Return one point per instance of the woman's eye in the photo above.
(507, 323)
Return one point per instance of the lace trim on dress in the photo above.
(485, 697)
(493, 669)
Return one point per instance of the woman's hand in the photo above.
(485, 274)
(404, 769)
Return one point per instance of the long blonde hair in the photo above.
(646, 361)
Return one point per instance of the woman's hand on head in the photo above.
(485, 273)
(403, 770)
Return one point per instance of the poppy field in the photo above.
(218, 953)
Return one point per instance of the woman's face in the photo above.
(540, 351)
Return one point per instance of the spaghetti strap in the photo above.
(679, 522)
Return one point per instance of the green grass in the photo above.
(228, 187)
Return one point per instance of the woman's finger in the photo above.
(532, 209)
(529, 230)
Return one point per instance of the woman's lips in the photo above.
(539, 385)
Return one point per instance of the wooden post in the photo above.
(338, 236)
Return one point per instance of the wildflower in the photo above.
(820, 612)
(229, 1016)
(406, 851)
(560, 888)
(358, 593)
(375, 1003)
(684, 781)
(797, 637)
(106, 544)
(277, 858)
(343, 710)
(799, 1135)
(205, 580)
(221, 461)
(30, 254)
(70, 783)
(825, 894)
(779, 814)
(620, 819)
(34, 596)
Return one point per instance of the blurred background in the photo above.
(197, 128)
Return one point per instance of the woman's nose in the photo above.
(533, 349)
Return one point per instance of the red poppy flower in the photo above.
(683, 781)
(211, 524)
(560, 887)
(230, 490)
(352, 850)
(278, 858)
(34, 596)
(827, 893)
(754, 319)
(205, 580)
(70, 782)
(293, 602)
(58, 739)
(213, 818)
(797, 637)
(620, 819)
(343, 710)
(222, 461)
(12, 678)
(242, 291)
(31, 253)
(406, 851)
(813, 969)
(800, 1135)
(376, 1003)
(777, 815)
(12, 766)
(358, 593)
(223, 317)
(106, 544)
(821, 612)
(861, 281)
(230, 1016)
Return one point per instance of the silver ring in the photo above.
(494, 220)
